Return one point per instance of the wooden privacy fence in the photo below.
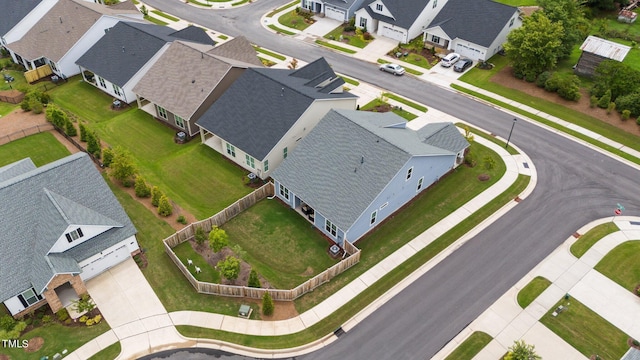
(38, 73)
(352, 258)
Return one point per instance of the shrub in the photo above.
(229, 267)
(542, 78)
(626, 114)
(93, 143)
(470, 159)
(62, 314)
(552, 83)
(604, 101)
(200, 235)
(36, 106)
(83, 318)
(629, 102)
(182, 220)
(7, 322)
(89, 322)
(156, 194)
(122, 165)
(69, 129)
(349, 28)
(141, 187)
(164, 206)
(530, 77)
(488, 162)
(367, 36)
(254, 280)
(46, 319)
(144, 11)
(218, 239)
(593, 101)
(611, 107)
(25, 105)
(84, 304)
(352, 21)
(107, 156)
(97, 319)
(267, 304)
(20, 326)
(569, 88)
(83, 132)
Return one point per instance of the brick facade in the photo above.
(50, 294)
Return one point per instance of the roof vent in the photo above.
(362, 160)
(282, 92)
(123, 49)
(60, 19)
(193, 81)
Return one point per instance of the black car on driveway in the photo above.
(462, 65)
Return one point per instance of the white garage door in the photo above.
(392, 33)
(468, 51)
(103, 263)
(333, 13)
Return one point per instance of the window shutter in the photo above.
(80, 232)
(68, 237)
(23, 301)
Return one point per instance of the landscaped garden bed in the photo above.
(349, 34)
(298, 18)
(381, 105)
(416, 52)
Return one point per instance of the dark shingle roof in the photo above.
(404, 12)
(38, 206)
(262, 104)
(478, 21)
(193, 34)
(13, 11)
(128, 46)
(352, 156)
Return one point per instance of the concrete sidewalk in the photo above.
(506, 321)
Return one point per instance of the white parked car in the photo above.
(395, 69)
(449, 60)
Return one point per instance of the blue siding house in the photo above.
(356, 168)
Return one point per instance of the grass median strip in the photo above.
(166, 16)
(195, 2)
(405, 101)
(279, 30)
(350, 81)
(110, 352)
(270, 53)
(489, 137)
(155, 20)
(587, 240)
(532, 290)
(409, 70)
(621, 265)
(471, 346)
(281, 8)
(336, 47)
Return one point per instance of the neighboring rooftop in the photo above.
(262, 104)
(605, 48)
(128, 46)
(60, 28)
(353, 155)
(38, 206)
(404, 12)
(13, 12)
(186, 73)
(460, 19)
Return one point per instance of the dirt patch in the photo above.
(483, 177)
(282, 310)
(18, 120)
(34, 345)
(528, 10)
(505, 78)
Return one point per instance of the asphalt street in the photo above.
(575, 185)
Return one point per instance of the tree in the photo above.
(612, 75)
(630, 103)
(83, 133)
(229, 268)
(218, 239)
(164, 206)
(570, 15)
(535, 46)
(200, 236)
(122, 165)
(254, 280)
(141, 187)
(267, 304)
(93, 143)
(69, 129)
(606, 5)
(522, 351)
(107, 156)
(156, 194)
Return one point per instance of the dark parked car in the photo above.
(462, 65)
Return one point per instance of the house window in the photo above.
(53, 66)
(116, 89)
(511, 22)
(266, 165)
(101, 82)
(330, 227)
(161, 112)
(363, 22)
(420, 183)
(379, 7)
(284, 192)
(29, 297)
(435, 3)
(284, 153)
(74, 235)
(435, 39)
(409, 172)
(374, 215)
(250, 161)
(179, 121)
(231, 150)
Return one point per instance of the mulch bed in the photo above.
(484, 177)
(34, 345)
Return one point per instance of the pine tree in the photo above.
(156, 194)
(267, 304)
(164, 207)
(254, 280)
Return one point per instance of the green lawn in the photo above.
(481, 78)
(281, 245)
(418, 60)
(270, 53)
(164, 15)
(6, 108)
(377, 102)
(185, 251)
(275, 11)
(293, 20)
(155, 20)
(85, 100)
(350, 81)
(336, 47)
(280, 30)
(353, 40)
(57, 338)
(43, 148)
(621, 265)
(586, 331)
(19, 83)
(405, 101)
(532, 290)
(110, 352)
(486, 136)
(471, 346)
(586, 241)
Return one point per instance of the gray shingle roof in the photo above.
(37, 208)
(404, 12)
(351, 155)
(478, 21)
(193, 34)
(631, 354)
(262, 104)
(17, 168)
(184, 76)
(128, 46)
(13, 12)
(443, 135)
(344, 4)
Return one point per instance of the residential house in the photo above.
(67, 30)
(265, 113)
(595, 50)
(474, 29)
(341, 10)
(357, 168)
(400, 20)
(61, 226)
(17, 17)
(123, 55)
(181, 85)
